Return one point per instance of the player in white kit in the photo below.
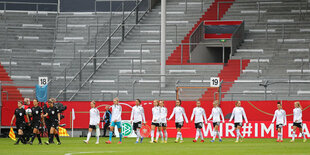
(116, 120)
(238, 114)
(94, 120)
(180, 115)
(216, 114)
(200, 118)
(155, 120)
(137, 116)
(298, 121)
(163, 122)
(280, 115)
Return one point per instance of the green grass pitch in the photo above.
(73, 146)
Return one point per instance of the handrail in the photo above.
(222, 93)
(239, 31)
(198, 34)
(218, 8)
(30, 3)
(97, 51)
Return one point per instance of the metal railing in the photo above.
(5, 3)
(237, 38)
(7, 28)
(260, 4)
(187, 3)
(276, 95)
(18, 86)
(262, 66)
(106, 44)
(218, 7)
(289, 82)
(197, 36)
(134, 82)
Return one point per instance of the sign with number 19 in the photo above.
(214, 82)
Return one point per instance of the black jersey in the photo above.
(20, 115)
(36, 113)
(53, 114)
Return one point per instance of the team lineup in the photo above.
(48, 118)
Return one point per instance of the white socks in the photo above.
(293, 138)
(197, 134)
(166, 135)
(138, 134)
(97, 139)
(238, 134)
(88, 136)
(279, 136)
(303, 135)
(200, 133)
(152, 135)
(161, 135)
(214, 134)
(179, 135)
(218, 133)
(157, 135)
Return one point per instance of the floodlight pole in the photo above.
(163, 44)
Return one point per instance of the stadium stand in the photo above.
(24, 39)
(277, 45)
(275, 48)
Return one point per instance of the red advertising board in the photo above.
(259, 114)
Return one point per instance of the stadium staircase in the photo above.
(279, 56)
(228, 74)
(210, 14)
(104, 82)
(272, 56)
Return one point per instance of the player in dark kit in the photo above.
(47, 122)
(54, 117)
(37, 116)
(28, 128)
(20, 114)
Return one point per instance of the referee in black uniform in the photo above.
(54, 116)
(20, 114)
(47, 121)
(37, 114)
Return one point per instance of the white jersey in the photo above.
(237, 114)
(280, 115)
(297, 115)
(94, 116)
(179, 113)
(163, 115)
(116, 113)
(137, 114)
(156, 114)
(199, 114)
(216, 114)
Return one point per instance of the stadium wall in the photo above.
(259, 114)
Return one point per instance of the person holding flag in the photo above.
(94, 120)
(12, 134)
(20, 114)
